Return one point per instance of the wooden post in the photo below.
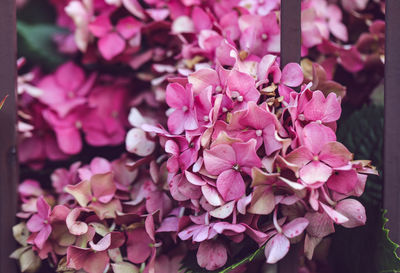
(391, 187)
(290, 31)
(8, 136)
(290, 52)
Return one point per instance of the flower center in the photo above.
(264, 36)
(258, 132)
(315, 158)
(240, 98)
(78, 124)
(205, 118)
(184, 108)
(46, 222)
(94, 199)
(218, 89)
(236, 167)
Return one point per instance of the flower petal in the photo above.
(276, 248)
(230, 185)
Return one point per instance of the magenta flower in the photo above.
(228, 162)
(66, 89)
(319, 155)
(184, 115)
(112, 41)
(41, 223)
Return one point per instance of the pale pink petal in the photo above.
(315, 172)
(134, 7)
(136, 142)
(81, 192)
(76, 227)
(211, 255)
(177, 96)
(276, 248)
(224, 226)
(230, 185)
(211, 195)
(337, 217)
(354, 211)
(295, 227)
(103, 244)
(262, 201)
(292, 75)
(223, 211)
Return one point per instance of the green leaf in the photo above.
(389, 261)
(35, 42)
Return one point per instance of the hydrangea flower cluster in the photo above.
(224, 145)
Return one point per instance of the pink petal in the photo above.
(230, 185)
(76, 227)
(326, 110)
(292, 75)
(335, 154)
(100, 26)
(111, 45)
(35, 223)
(128, 27)
(96, 262)
(219, 158)
(315, 172)
(69, 140)
(138, 245)
(76, 257)
(81, 192)
(43, 208)
(194, 179)
(103, 187)
(42, 236)
(223, 211)
(64, 75)
(315, 136)
(295, 227)
(177, 96)
(176, 122)
(276, 248)
(262, 201)
(103, 244)
(211, 195)
(246, 154)
(220, 227)
(354, 211)
(211, 255)
(343, 181)
(300, 156)
(203, 78)
(337, 217)
(200, 19)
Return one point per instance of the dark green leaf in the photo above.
(388, 259)
(35, 42)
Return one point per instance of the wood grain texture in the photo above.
(392, 119)
(8, 137)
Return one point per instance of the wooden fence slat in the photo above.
(290, 52)
(8, 155)
(290, 31)
(391, 187)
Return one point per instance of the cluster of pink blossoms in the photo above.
(224, 146)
